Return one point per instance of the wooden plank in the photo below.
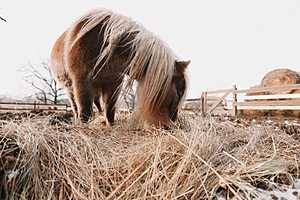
(234, 101)
(51, 107)
(213, 98)
(194, 99)
(45, 105)
(219, 91)
(20, 103)
(272, 96)
(203, 103)
(12, 106)
(25, 109)
(294, 102)
(32, 107)
(218, 102)
(268, 107)
(267, 89)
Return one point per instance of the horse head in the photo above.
(176, 91)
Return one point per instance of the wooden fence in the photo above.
(261, 98)
(9, 106)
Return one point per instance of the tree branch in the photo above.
(40, 78)
(3, 19)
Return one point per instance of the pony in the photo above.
(92, 57)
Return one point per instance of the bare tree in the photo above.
(128, 95)
(1, 18)
(41, 80)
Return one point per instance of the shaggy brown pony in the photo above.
(92, 57)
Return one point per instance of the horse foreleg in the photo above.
(73, 105)
(83, 99)
(70, 94)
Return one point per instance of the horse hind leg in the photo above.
(83, 99)
(97, 103)
(110, 98)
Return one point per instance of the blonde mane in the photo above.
(151, 62)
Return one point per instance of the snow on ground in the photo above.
(278, 192)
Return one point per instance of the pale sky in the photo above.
(229, 42)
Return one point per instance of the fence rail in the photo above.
(263, 98)
(11, 106)
(271, 89)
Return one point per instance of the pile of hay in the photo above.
(42, 160)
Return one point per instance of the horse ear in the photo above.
(181, 65)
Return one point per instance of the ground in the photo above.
(45, 156)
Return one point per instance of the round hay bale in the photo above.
(279, 77)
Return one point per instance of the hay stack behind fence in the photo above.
(277, 77)
(281, 77)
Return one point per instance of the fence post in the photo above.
(203, 103)
(34, 106)
(234, 102)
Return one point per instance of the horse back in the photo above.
(75, 57)
(83, 54)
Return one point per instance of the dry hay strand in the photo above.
(42, 160)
